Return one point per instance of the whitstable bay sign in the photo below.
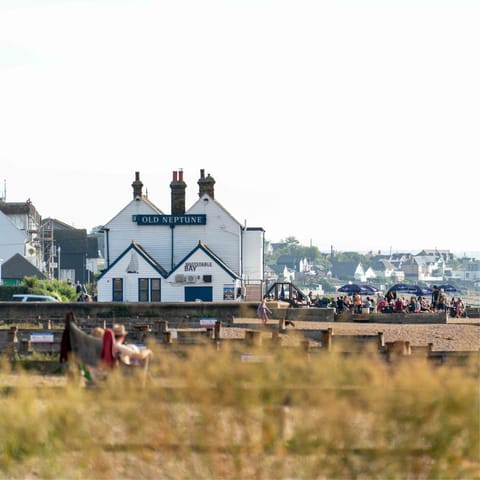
(170, 220)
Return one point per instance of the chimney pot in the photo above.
(178, 187)
(206, 185)
(137, 186)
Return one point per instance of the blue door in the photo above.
(198, 293)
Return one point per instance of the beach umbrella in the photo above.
(424, 290)
(448, 288)
(411, 289)
(352, 288)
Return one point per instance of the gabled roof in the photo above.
(58, 224)
(345, 268)
(20, 208)
(18, 267)
(434, 252)
(291, 261)
(382, 265)
(143, 253)
(211, 254)
(278, 269)
(142, 199)
(424, 259)
(210, 199)
(71, 241)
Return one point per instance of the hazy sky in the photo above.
(347, 123)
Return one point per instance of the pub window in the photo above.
(143, 289)
(155, 290)
(118, 289)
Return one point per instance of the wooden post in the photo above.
(13, 342)
(163, 326)
(276, 339)
(327, 339)
(381, 341)
(305, 345)
(281, 325)
(218, 330)
(167, 337)
(397, 349)
(253, 337)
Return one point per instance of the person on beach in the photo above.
(441, 301)
(357, 303)
(128, 354)
(263, 310)
(435, 293)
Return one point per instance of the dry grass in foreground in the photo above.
(204, 414)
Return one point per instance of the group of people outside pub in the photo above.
(394, 303)
(391, 302)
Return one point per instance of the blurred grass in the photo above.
(207, 415)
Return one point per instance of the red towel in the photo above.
(108, 356)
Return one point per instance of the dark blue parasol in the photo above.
(409, 288)
(352, 288)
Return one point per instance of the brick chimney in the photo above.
(205, 185)
(137, 186)
(178, 187)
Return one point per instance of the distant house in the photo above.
(68, 250)
(348, 270)
(383, 268)
(370, 274)
(446, 255)
(295, 263)
(470, 270)
(24, 216)
(197, 254)
(270, 275)
(283, 273)
(16, 268)
(12, 240)
(424, 268)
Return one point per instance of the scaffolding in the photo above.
(48, 248)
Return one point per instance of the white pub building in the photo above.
(202, 254)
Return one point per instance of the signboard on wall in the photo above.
(228, 292)
(170, 220)
(41, 338)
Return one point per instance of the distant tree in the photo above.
(59, 289)
(291, 246)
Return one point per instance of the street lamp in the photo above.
(1, 261)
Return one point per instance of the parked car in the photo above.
(28, 297)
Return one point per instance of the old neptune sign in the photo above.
(170, 220)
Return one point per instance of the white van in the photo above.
(28, 297)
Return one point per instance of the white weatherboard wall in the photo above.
(229, 252)
(12, 240)
(222, 234)
(253, 242)
(123, 230)
(197, 265)
(130, 280)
